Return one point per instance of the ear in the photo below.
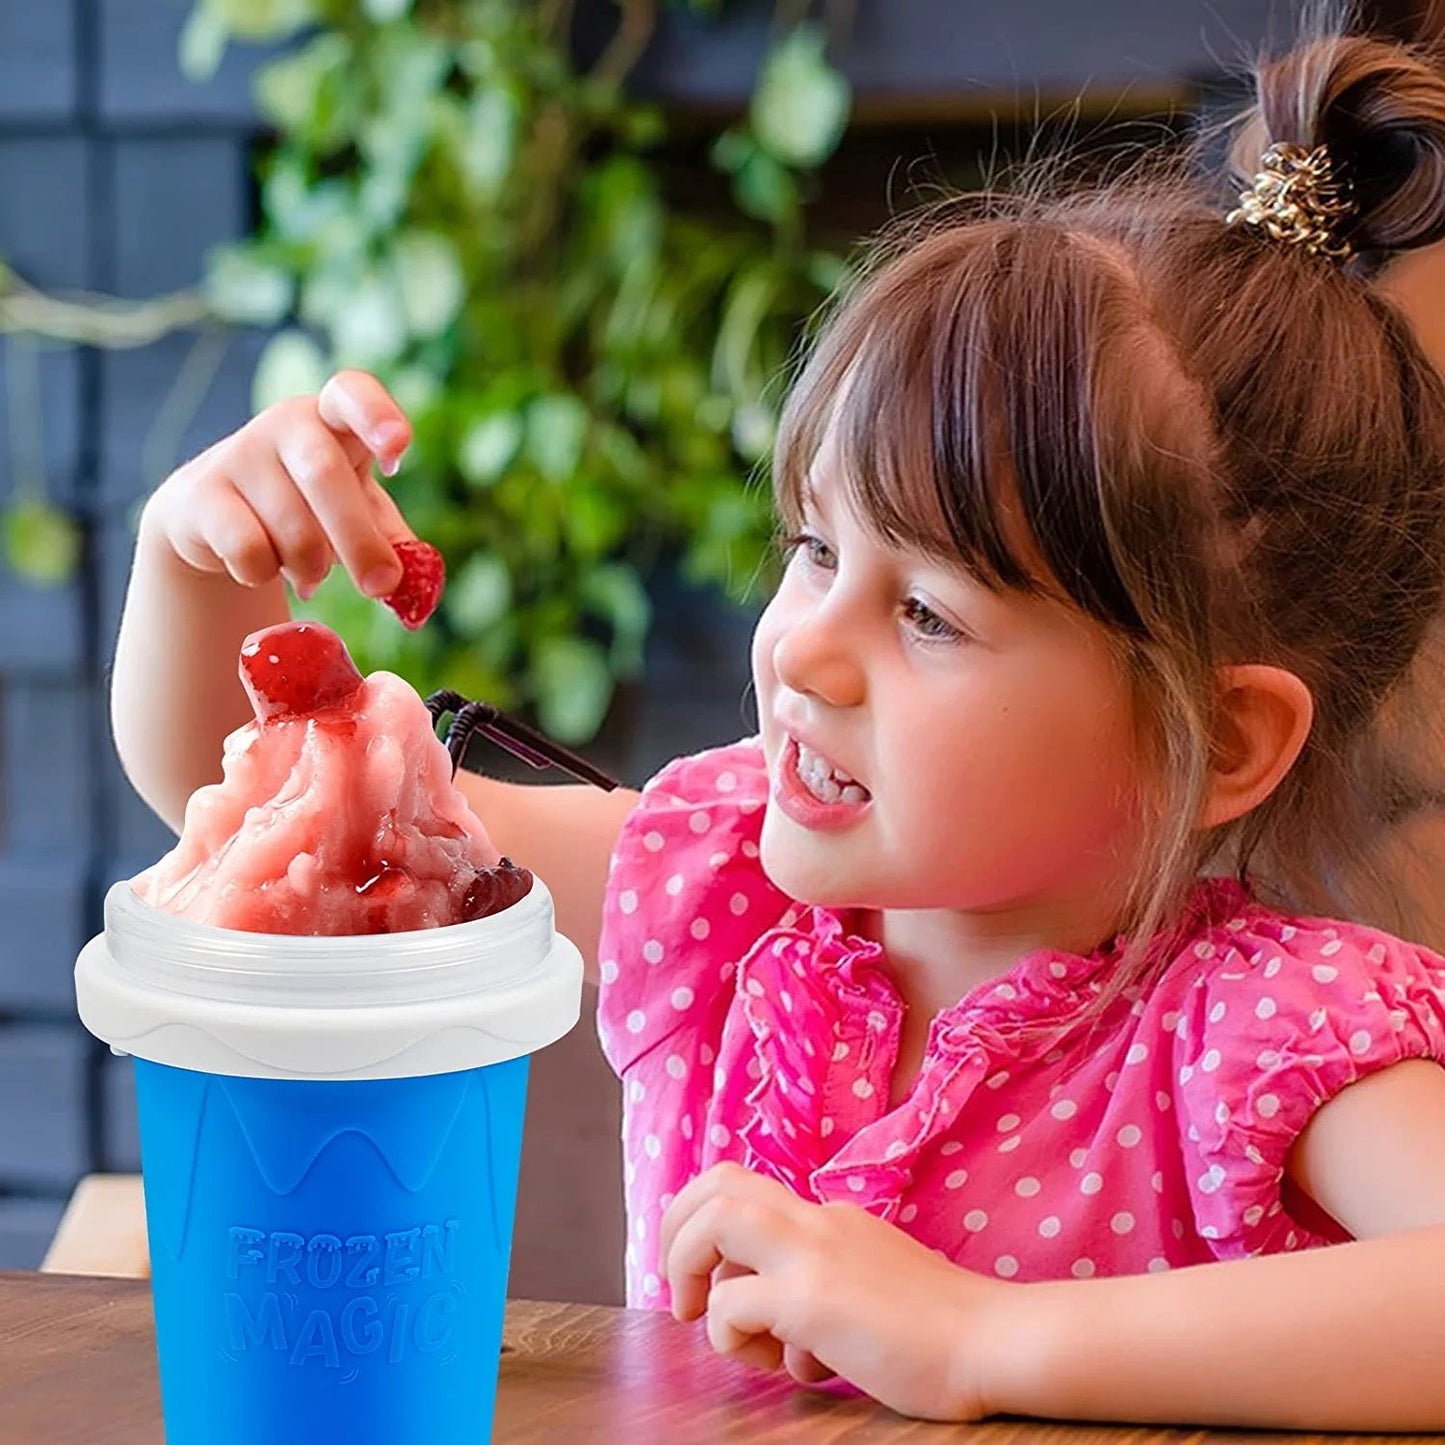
(1264, 716)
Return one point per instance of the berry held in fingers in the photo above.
(423, 575)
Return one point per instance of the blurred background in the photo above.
(580, 240)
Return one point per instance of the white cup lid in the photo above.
(381, 1006)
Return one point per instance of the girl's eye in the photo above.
(815, 551)
(928, 623)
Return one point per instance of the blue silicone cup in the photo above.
(330, 1258)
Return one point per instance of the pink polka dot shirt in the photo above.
(745, 1026)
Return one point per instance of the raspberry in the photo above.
(296, 668)
(494, 889)
(423, 575)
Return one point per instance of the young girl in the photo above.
(990, 1028)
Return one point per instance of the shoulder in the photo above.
(1273, 1016)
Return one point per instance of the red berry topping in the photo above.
(494, 889)
(423, 575)
(296, 669)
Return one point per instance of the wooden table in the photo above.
(77, 1367)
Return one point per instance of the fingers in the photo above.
(740, 1318)
(232, 537)
(805, 1368)
(385, 512)
(297, 537)
(325, 476)
(365, 420)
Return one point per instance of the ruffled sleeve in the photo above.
(1282, 1017)
(686, 897)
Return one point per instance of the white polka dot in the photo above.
(908, 1214)
(1324, 973)
(840, 1052)
(681, 999)
(637, 1091)
(1050, 1226)
(1169, 1021)
(1010, 1144)
(627, 900)
(877, 1021)
(1186, 1072)
(786, 999)
(1009, 1121)
(1287, 932)
(717, 860)
(1064, 1109)
(998, 1080)
(1006, 990)
(895, 1149)
(1221, 1112)
(857, 1183)
(674, 885)
(1006, 1266)
(610, 970)
(700, 928)
(1253, 1214)
(726, 781)
(1027, 1187)
(1077, 1157)
(755, 987)
(1376, 953)
(1162, 1101)
(1110, 1079)
(739, 903)
(1360, 1041)
(1129, 1135)
(652, 951)
(1122, 1222)
(975, 1220)
(1157, 1265)
(653, 841)
(677, 1066)
(749, 848)
(1331, 948)
(1273, 967)
(636, 1021)
(1210, 1061)
(706, 1054)
(652, 1146)
(651, 1285)
(1058, 969)
(755, 1069)
(718, 1136)
(1266, 1008)
(952, 1147)
(1178, 1227)
(1137, 1054)
(1156, 1182)
(1209, 1183)
(862, 1088)
(1204, 949)
(1217, 1012)
(699, 822)
(956, 1180)
(825, 1126)
(1267, 1106)
(686, 1126)
(1082, 1268)
(1091, 1184)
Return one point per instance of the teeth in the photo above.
(827, 783)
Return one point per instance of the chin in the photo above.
(799, 870)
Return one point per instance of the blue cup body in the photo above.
(329, 1258)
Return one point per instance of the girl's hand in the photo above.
(830, 1288)
(292, 492)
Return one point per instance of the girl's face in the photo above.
(989, 736)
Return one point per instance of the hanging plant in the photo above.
(591, 372)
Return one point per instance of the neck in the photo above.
(937, 956)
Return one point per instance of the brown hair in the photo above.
(1223, 448)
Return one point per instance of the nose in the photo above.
(813, 656)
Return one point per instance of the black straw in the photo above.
(537, 749)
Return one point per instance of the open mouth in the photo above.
(826, 783)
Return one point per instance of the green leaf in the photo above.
(202, 44)
(242, 287)
(615, 591)
(42, 543)
(488, 447)
(429, 273)
(800, 106)
(573, 685)
(765, 188)
(385, 11)
(556, 433)
(480, 594)
(370, 330)
(290, 365)
(263, 19)
(288, 90)
(491, 139)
